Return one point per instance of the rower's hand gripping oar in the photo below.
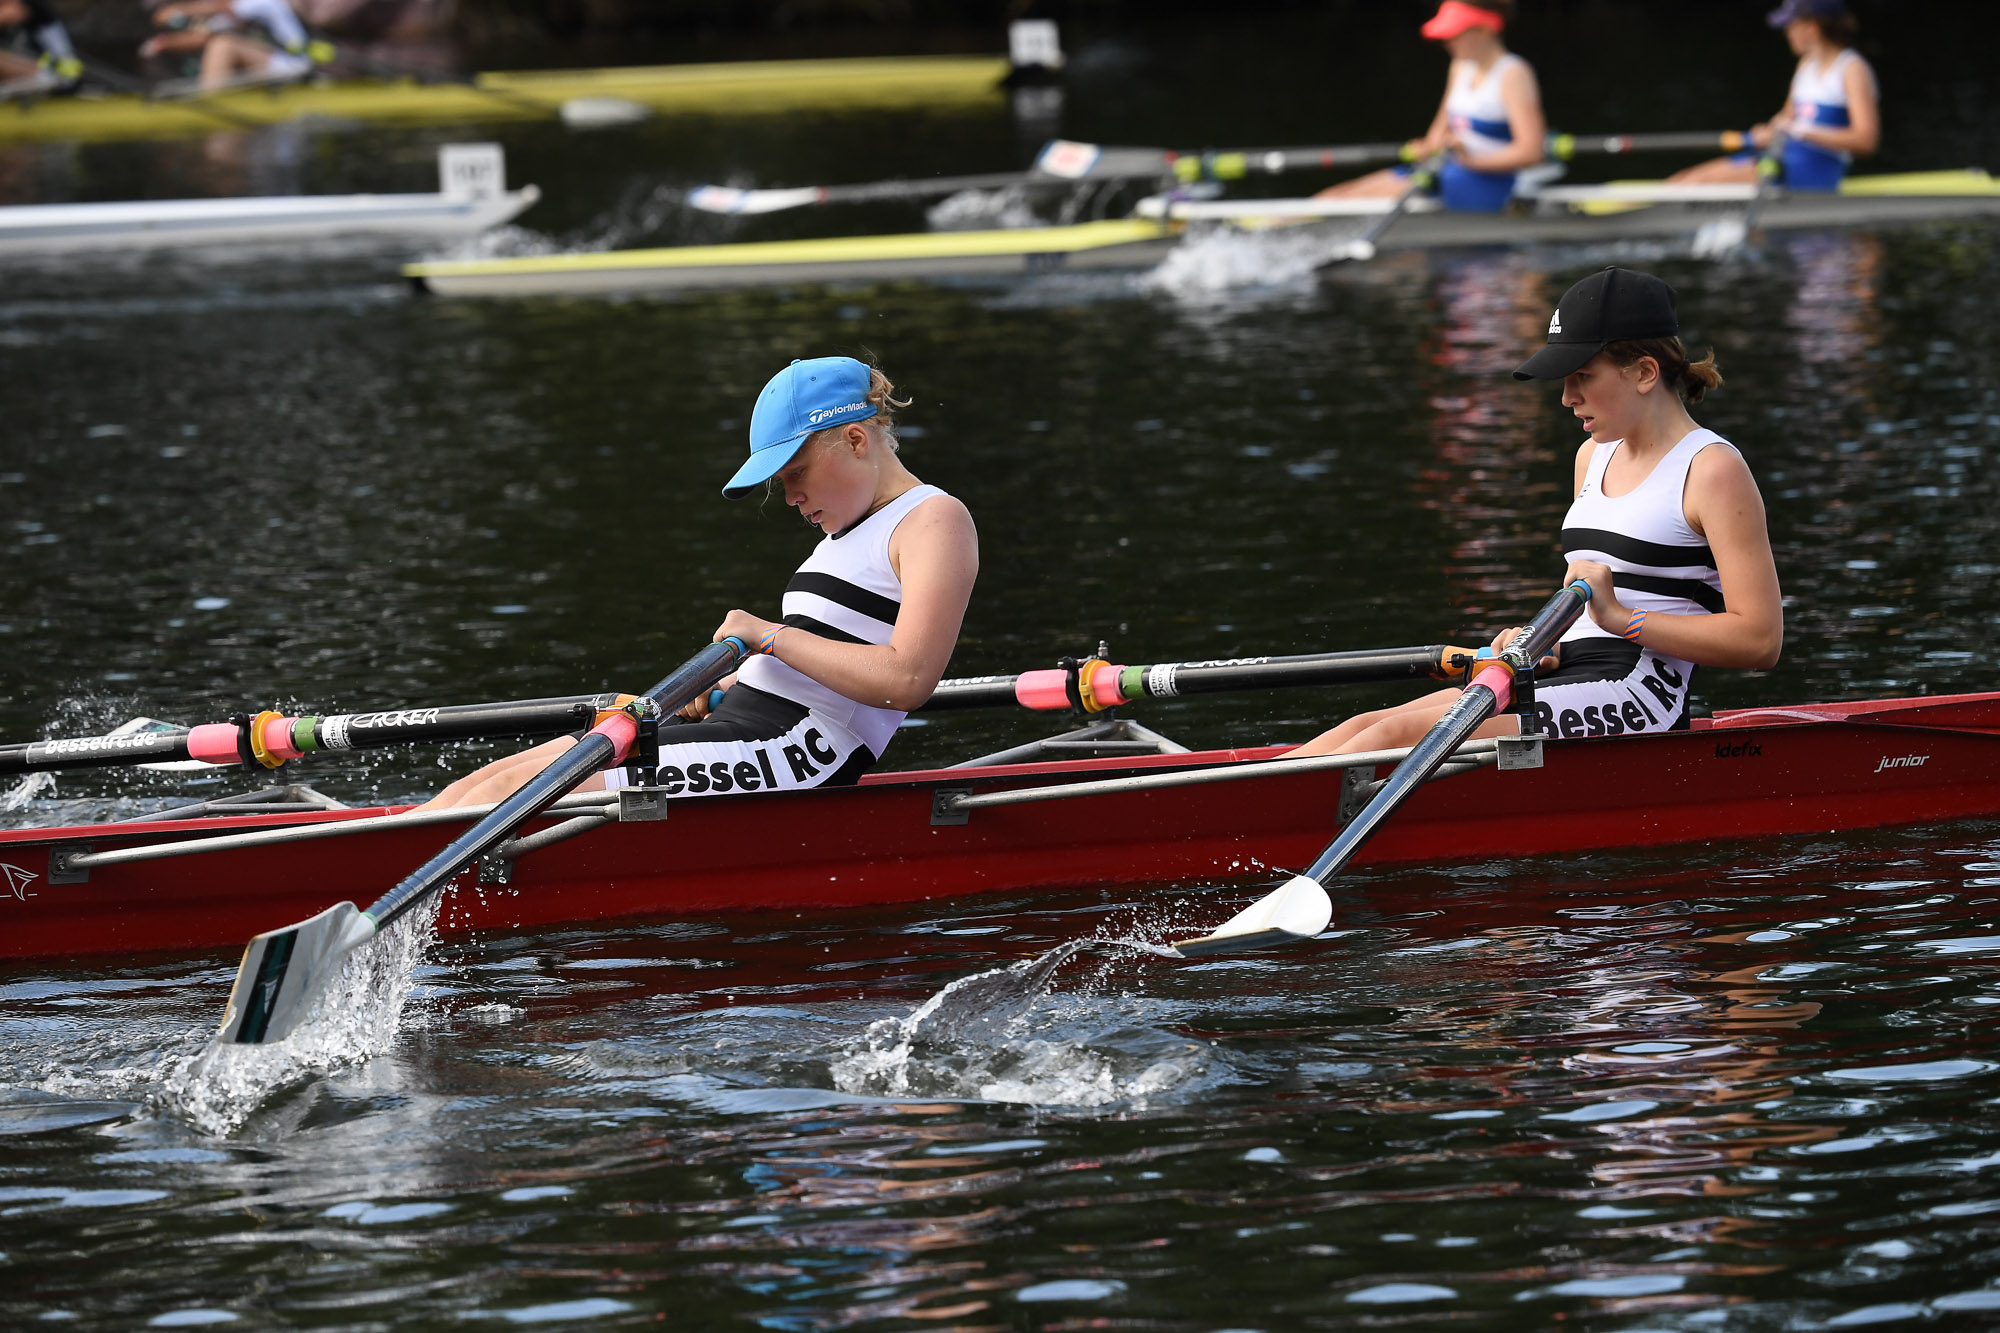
(1300, 909)
(284, 972)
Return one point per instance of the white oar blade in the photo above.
(1296, 910)
(723, 199)
(285, 971)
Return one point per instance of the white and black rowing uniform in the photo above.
(777, 728)
(1605, 685)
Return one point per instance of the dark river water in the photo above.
(1731, 1087)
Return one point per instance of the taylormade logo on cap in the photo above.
(820, 414)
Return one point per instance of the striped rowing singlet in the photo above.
(1819, 97)
(846, 591)
(1659, 563)
(1477, 114)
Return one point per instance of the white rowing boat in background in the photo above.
(471, 198)
(1555, 215)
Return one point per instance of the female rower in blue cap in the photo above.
(868, 622)
(1832, 115)
(1667, 526)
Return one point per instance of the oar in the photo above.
(1565, 147)
(1422, 177)
(1300, 909)
(1096, 685)
(272, 738)
(284, 972)
(1061, 162)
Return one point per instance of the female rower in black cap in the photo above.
(1667, 526)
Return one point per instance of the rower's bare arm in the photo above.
(1522, 98)
(1722, 503)
(1863, 132)
(935, 552)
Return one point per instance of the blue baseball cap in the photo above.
(804, 397)
(1817, 10)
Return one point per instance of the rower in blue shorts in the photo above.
(1490, 121)
(1832, 116)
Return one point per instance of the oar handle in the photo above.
(604, 745)
(1539, 635)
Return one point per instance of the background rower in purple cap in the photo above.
(868, 623)
(1490, 120)
(1832, 116)
(1667, 525)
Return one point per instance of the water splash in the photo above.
(982, 210)
(355, 1020)
(1005, 1035)
(26, 790)
(1225, 259)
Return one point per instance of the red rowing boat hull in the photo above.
(1757, 773)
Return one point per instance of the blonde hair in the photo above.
(883, 424)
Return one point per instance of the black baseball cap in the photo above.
(1604, 308)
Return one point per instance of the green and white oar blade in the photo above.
(1296, 910)
(284, 973)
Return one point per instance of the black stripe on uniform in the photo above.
(1592, 659)
(821, 628)
(1633, 551)
(842, 593)
(1703, 596)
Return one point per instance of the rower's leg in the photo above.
(227, 55)
(503, 777)
(1384, 184)
(1716, 171)
(1344, 739)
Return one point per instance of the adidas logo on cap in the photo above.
(1556, 321)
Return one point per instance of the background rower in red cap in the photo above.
(1490, 120)
(1666, 525)
(1832, 115)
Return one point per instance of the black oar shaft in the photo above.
(1472, 708)
(1168, 679)
(593, 752)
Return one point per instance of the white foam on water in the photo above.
(26, 790)
(1003, 1035)
(982, 210)
(356, 1019)
(1225, 259)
